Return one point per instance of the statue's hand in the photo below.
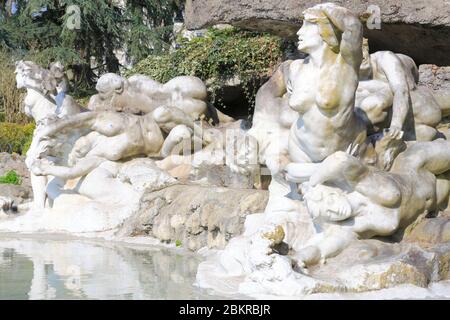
(41, 167)
(394, 132)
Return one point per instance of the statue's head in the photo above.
(327, 203)
(110, 84)
(23, 71)
(57, 69)
(316, 30)
(29, 74)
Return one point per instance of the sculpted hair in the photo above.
(329, 33)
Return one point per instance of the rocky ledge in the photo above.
(194, 216)
(412, 21)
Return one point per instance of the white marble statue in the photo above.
(141, 95)
(323, 85)
(341, 194)
(45, 101)
(115, 136)
(333, 185)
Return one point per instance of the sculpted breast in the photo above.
(301, 87)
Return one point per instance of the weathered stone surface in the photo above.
(424, 23)
(434, 77)
(373, 265)
(17, 193)
(196, 216)
(430, 231)
(15, 162)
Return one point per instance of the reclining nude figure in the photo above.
(140, 94)
(115, 136)
(342, 196)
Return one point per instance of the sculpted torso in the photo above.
(322, 86)
(320, 131)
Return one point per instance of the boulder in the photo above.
(418, 22)
(19, 193)
(194, 216)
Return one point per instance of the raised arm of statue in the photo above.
(351, 31)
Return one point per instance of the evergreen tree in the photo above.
(40, 30)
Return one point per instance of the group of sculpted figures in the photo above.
(350, 135)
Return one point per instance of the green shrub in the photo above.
(10, 96)
(217, 57)
(10, 178)
(15, 138)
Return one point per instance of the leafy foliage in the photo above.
(219, 56)
(10, 177)
(15, 138)
(39, 30)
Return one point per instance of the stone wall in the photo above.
(418, 28)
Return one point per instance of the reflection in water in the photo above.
(79, 269)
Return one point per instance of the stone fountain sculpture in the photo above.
(97, 163)
(328, 196)
(350, 140)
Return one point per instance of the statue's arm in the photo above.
(352, 33)
(82, 168)
(337, 167)
(274, 89)
(392, 67)
(82, 120)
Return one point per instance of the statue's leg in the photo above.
(39, 185)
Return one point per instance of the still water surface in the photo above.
(39, 268)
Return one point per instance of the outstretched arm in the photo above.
(82, 120)
(82, 168)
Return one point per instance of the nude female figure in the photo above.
(323, 85)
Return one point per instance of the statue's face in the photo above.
(106, 94)
(330, 204)
(20, 78)
(309, 37)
